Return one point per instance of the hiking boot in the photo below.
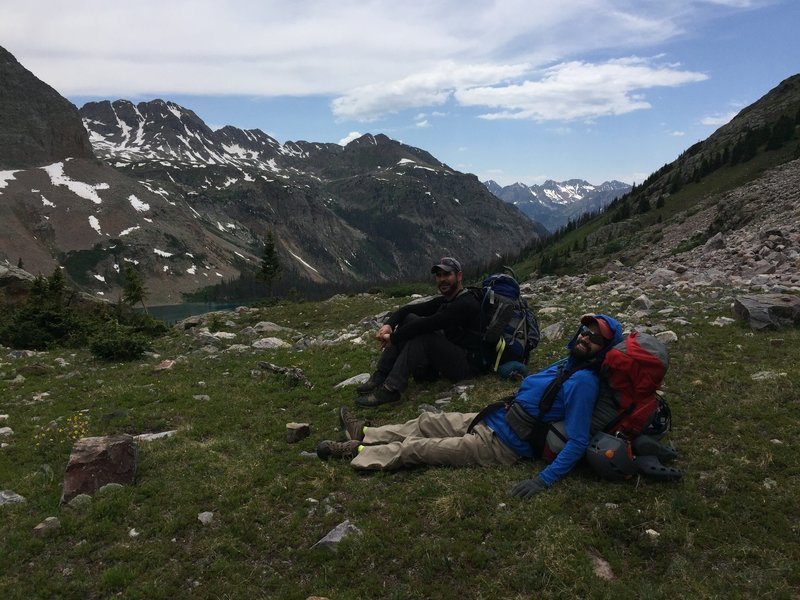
(374, 382)
(328, 448)
(352, 427)
(382, 395)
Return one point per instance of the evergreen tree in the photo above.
(270, 268)
(56, 284)
(133, 289)
(19, 263)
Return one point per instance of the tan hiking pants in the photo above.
(432, 439)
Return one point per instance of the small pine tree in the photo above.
(133, 289)
(56, 284)
(19, 263)
(270, 268)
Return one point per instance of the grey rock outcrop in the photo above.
(37, 125)
(768, 311)
(15, 284)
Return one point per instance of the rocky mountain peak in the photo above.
(37, 125)
(555, 203)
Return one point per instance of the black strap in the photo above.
(504, 402)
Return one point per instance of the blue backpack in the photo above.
(509, 327)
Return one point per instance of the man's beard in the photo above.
(581, 351)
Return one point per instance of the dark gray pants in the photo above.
(425, 357)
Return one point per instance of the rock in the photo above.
(9, 497)
(49, 525)
(80, 501)
(150, 437)
(642, 303)
(554, 331)
(600, 566)
(765, 375)
(717, 242)
(21, 354)
(224, 335)
(6, 432)
(35, 369)
(667, 337)
(336, 535)
(354, 380)
(297, 431)
(270, 343)
(164, 365)
(722, 321)
(768, 311)
(15, 284)
(661, 276)
(268, 327)
(201, 397)
(293, 374)
(96, 461)
(205, 517)
(109, 488)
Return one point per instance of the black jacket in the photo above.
(459, 319)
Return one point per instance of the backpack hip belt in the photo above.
(529, 428)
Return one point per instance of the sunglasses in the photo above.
(595, 338)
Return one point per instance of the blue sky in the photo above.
(511, 90)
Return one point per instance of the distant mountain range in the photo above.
(151, 184)
(554, 203)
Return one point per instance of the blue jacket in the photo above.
(573, 404)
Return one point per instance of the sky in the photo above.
(510, 90)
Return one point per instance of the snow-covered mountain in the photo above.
(554, 203)
(152, 184)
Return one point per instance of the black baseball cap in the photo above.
(448, 264)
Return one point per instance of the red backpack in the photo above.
(632, 372)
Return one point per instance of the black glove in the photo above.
(528, 488)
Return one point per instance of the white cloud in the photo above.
(372, 58)
(578, 90)
(423, 124)
(353, 135)
(719, 119)
(429, 88)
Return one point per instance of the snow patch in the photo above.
(95, 224)
(47, 202)
(129, 230)
(137, 204)
(87, 191)
(162, 253)
(6, 176)
(303, 262)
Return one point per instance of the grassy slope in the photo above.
(730, 529)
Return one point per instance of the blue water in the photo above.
(172, 313)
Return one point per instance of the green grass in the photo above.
(729, 529)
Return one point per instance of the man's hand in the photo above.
(383, 335)
(528, 488)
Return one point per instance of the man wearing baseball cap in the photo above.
(439, 337)
(504, 432)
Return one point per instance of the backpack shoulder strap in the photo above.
(551, 391)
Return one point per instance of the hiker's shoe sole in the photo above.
(353, 428)
(377, 400)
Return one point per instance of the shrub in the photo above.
(117, 342)
(595, 279)
(39, 328)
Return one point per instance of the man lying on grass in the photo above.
(502, 433)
